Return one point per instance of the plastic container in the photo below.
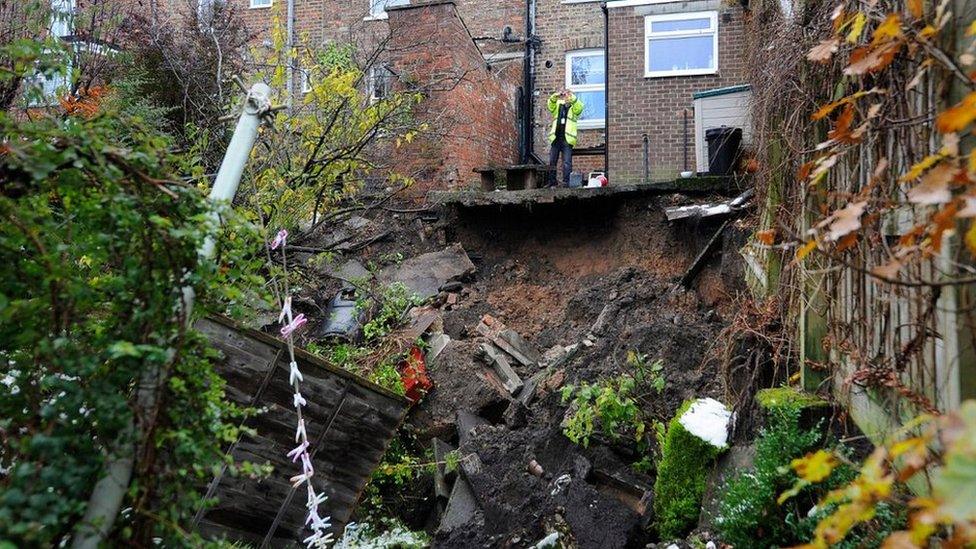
(723, 149)
(596, 179)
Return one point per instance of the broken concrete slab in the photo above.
(527, 394)
(558, 355)
(437, 344)
(425, 274)
(509, 340)
(350, 271)
(462, 507)
(495, 358)
(442, 477)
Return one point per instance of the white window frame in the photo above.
(259, 4)
(373, 77)
(591, 52)
(648, 36)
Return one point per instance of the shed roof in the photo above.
(720, 91)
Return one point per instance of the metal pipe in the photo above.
(684, 137)
(109, 491)
(647, 158)
(289, 46)
(606, 85)
(528, 78)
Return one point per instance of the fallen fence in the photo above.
(350, 421)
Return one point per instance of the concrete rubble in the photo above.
(520, 306)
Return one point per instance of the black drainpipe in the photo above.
(528, 79)
(606, 80)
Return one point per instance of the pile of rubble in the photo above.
(495, 399)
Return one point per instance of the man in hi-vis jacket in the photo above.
(566, 109)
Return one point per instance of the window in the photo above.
(380, 82)
(586, 77)
(306, 81)
(377, 8)
(261, 3)
(681, 44)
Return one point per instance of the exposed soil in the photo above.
(548, 273)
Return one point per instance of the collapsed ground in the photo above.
(586, 283)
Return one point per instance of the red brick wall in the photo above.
(653, 106)
(474, 119)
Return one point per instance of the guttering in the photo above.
(606, 84)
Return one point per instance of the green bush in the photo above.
(681, 475)
(749, 515)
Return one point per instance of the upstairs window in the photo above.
(380, 82)
(377, 8)
(681, 44)
(586, 77)
(261, 3)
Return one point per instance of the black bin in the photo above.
(723, 149)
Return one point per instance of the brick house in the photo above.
(661, 55)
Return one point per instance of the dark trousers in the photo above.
(560, 146)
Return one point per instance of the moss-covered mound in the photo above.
(681, 475)
(789, 398)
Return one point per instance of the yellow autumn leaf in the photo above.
(805, 250)
(920, 166)
(971, 238)
(857, 27)
(971, 29)
(958, 116)
(816, 466)
(888, 30)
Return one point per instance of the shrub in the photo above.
(681, 475)
(749, 514)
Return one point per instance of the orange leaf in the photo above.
(958, 116)
(804, 172)
(846, 242)
(830, 107)
(842, 130)
(809, 247)
(871, 59)
(822, 52)
(767, 237)
(915, 8)
(943, 220)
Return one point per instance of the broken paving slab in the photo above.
(510, 379)
(509, 341)
(462, 507)
(426, 274)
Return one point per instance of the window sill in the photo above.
(259, 7)
(591, 125)
(377, 17)
(670, 74)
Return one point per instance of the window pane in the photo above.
(587, 69)
(676, 54)
(594, 104)
(681, 25)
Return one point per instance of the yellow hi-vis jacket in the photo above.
(572, 116)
